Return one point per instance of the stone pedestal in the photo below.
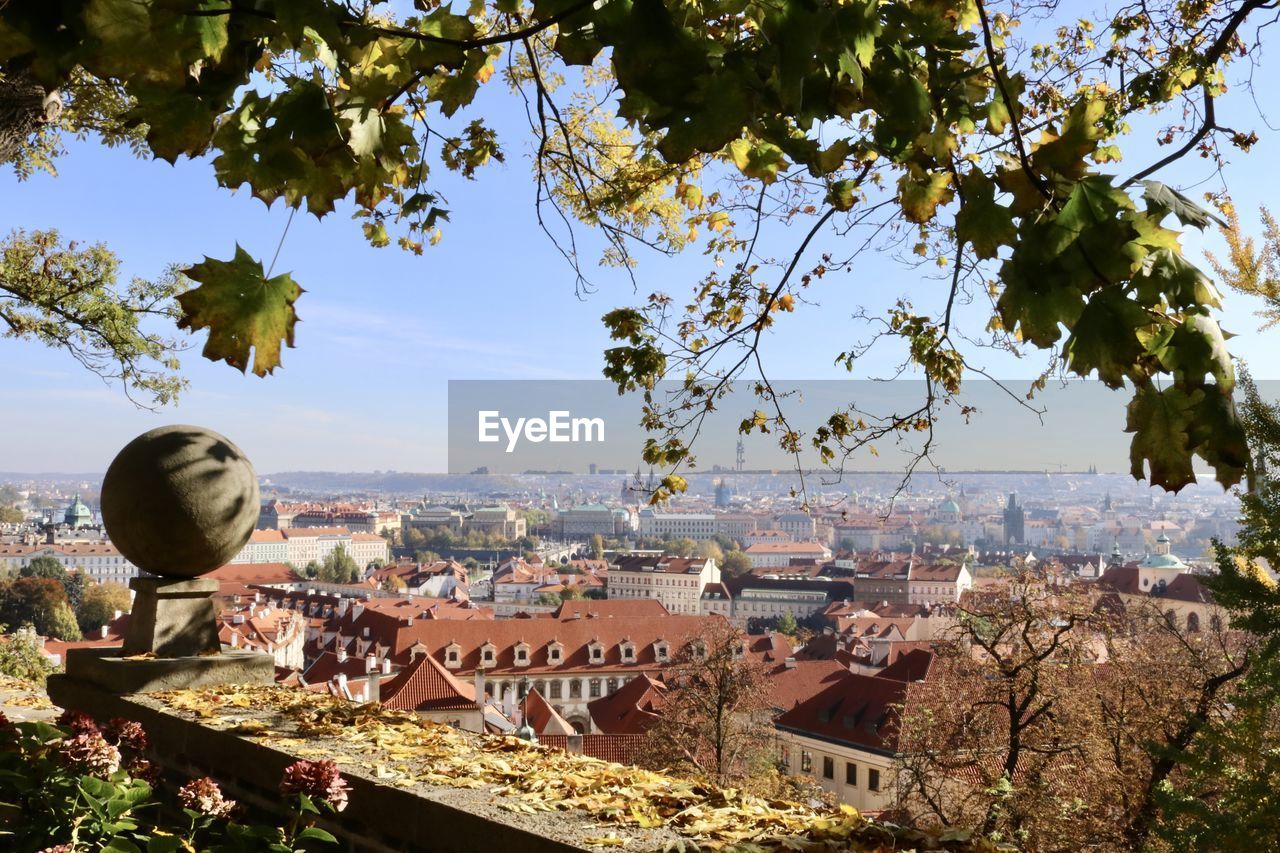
(172, 618)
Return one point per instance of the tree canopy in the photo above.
(984, 136)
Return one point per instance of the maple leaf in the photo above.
(242, 309)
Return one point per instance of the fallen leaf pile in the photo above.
(26, 694)
(398, 748)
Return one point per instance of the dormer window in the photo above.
(453, 656)
(738, 650)
(522, 654)
(661, 651)
(628, 649)
(699, 650)
(595, 652)
(488, 655)
(555, 653)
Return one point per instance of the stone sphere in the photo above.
(180, 501)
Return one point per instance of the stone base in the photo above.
(109, 671)
(172, 618)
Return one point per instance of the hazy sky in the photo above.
(383, 331)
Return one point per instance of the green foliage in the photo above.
(67, 297)
(100, 603)
(21, 658)
(1224, 798)
(338, 567)
(87, 788)
(40, 602)
(786, 624)
(243, 310)
(735, 564)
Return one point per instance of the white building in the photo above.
(779, 554)
(677, 582)
(100, 561)
(677, 525)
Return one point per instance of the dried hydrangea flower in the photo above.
(204, 796)
(125, 733)
(77, 721)
(90, 751)
(319, 780)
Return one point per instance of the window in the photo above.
(488, 656)
(556, 689)
(597, 654)
(828, 767)
(850, 773)
(553, 654)
(873, 780)
(806, 761)
(522, 656)
(575, 689)
(594, 691)
(453, 656)
(612, 685)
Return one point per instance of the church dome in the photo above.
(949, 506)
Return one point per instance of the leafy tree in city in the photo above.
(716, 719)
(11, 515)
(339, 567)
(786, 624)
(40, 602)
(49, 567)
(21, 657)
(935, 130)
(735, 564)
(597, 547)
(682, 547)
(710, 550)
(100, 603)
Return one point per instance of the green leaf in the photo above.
(1105, 337)
(315, 833)
(243, 311)
(921, 192)
(1218, 435)
(1160, 421)
(757, 160)
(1167, 274)
(1162, 200)
(984, 224)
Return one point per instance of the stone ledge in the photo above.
(379, 818)
(111, 672)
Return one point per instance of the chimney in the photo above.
(235, 640)
(117, 615)
(238, 619)
(370, 663)
(104, 632)
(386, 666)
(479, 685)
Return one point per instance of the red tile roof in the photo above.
(427, 686)
(857, 709)
(544, 718)
(588, 608)
(621, 749)
(631, 709)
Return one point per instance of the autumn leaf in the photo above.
(242, 309)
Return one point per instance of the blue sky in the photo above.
(383, 331)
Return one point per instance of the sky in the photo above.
(382, 331)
